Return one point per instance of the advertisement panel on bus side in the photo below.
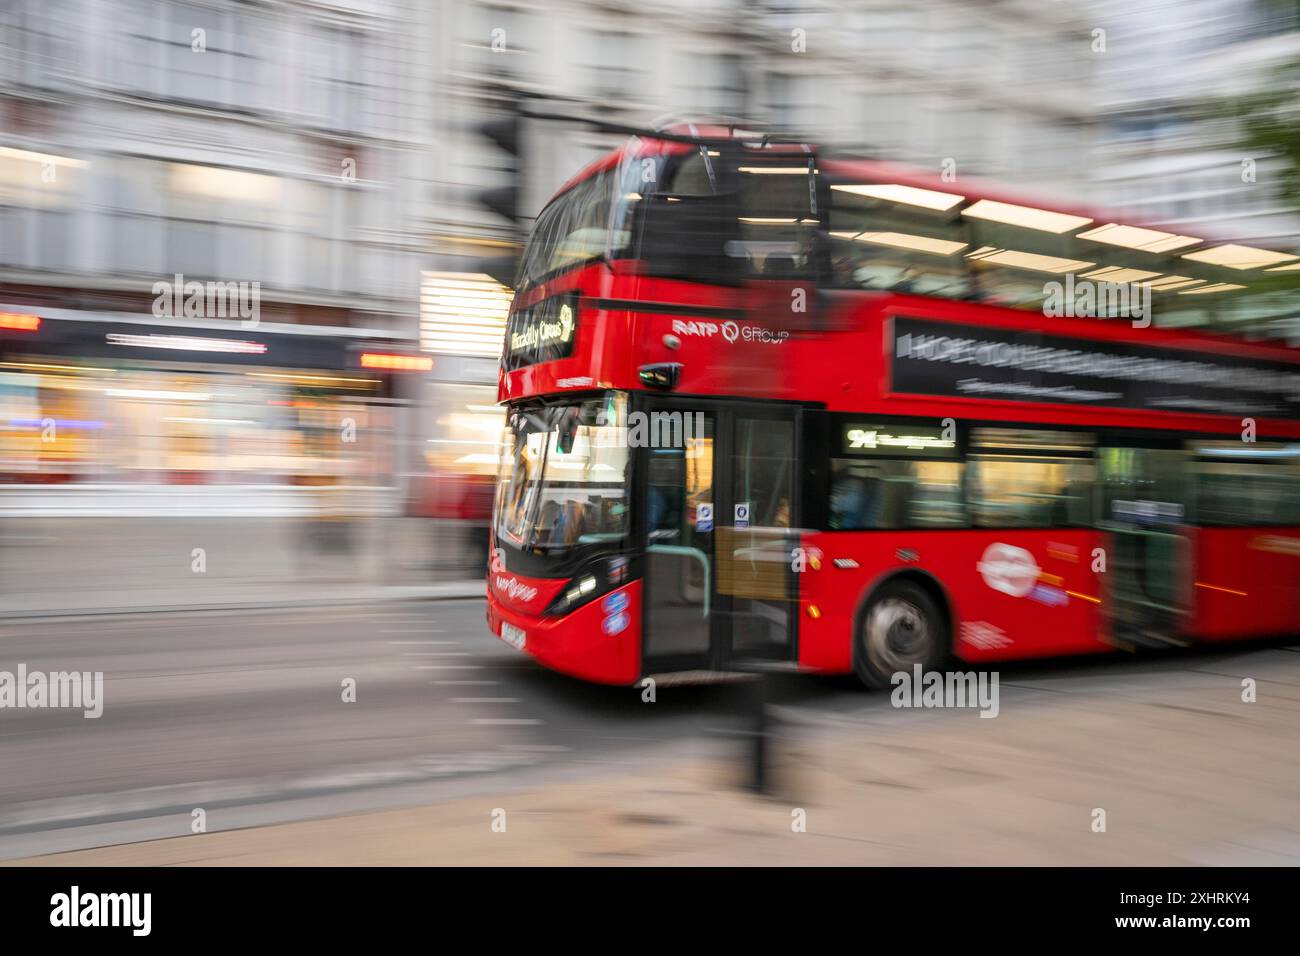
(940, 359)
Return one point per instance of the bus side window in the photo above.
(888, 493)
(1243, 485)
(1019, 478)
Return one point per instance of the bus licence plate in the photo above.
(514, 636)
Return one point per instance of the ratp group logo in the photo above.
(730, 330)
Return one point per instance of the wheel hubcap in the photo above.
(898, 636)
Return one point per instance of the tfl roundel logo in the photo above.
(1008, 569)
(616, 602)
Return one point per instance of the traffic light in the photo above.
(506, 133)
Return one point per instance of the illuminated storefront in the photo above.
(124, 403)
(462, 322)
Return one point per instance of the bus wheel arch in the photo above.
(904, 618)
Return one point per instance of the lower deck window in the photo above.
(1018, 478)
(895, 494)
(1247, 484)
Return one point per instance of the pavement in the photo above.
(1185, 770)
(67, 565)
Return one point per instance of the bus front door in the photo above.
(678, 448)
(720, 509)
(1147, 560)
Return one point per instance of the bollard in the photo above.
(759, 757)
(761, 719)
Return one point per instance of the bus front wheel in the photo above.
(901, 627)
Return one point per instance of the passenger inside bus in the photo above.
(855, 498)
(781, 519)
(560, 523)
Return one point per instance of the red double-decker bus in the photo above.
(765, 405)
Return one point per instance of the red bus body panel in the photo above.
(577, 643)
(1062, 616)
(751, 348)
(1246, 582)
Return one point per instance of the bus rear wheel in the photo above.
(902, 626)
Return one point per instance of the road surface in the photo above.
(242, 714)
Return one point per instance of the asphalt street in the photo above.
(243, 714)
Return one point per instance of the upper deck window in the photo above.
(940, 242)
(573, 229)
(730, 215)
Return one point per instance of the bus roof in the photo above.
(648, 145)
(1199, 280)
(848, 170)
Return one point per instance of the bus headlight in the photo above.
(580, 590)
(593, 581)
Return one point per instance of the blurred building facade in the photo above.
(1002, 90)
(327, 149)
(1164, 155)
(272, 143)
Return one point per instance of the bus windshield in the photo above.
(564, 476)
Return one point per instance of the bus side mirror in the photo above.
(662, 375)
